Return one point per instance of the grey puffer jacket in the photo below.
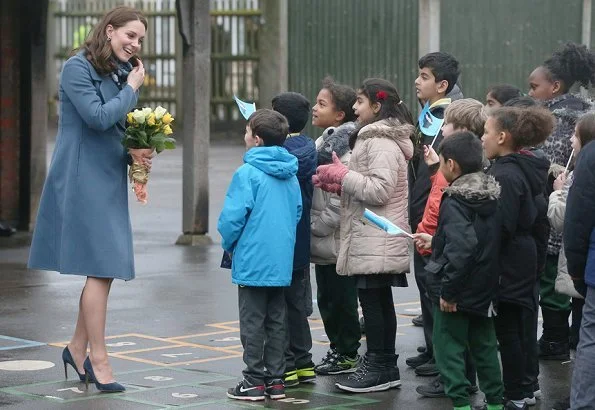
(326, 207)
(377, 180)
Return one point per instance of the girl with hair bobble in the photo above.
(522, 176)
(376, 178)
(551, 83)
(83, 224)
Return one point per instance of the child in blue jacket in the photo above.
(258, 226)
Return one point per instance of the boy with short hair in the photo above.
(298, 297)
(463, 272)
(438, 74)
(262, 207)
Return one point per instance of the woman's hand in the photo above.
(560, 181)
(422, 240)
(430, 156)
(136, 77)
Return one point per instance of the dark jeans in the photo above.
(262, 332)
(337, 303)
(427, 308)
(298, 299)
(512, 326)
(455, 334)
(532, 359)
(380, 319)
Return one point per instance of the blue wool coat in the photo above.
(83, 226)
(258, 222)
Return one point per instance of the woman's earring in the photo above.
(109, 39)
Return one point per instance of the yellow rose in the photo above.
(167, 130)
(167, 118)
(130, 118)
(151, 119)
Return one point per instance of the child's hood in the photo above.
(304, 149)
(274, 161)
(477, 190)
(392, 129)
(535, 169)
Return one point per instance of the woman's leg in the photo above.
(94, 308)
(78, 343)
(373, 318)
(390, 320)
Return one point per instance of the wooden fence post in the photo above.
(195, 28)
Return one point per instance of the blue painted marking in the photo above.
(23, 343)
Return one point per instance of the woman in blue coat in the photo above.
(83, 226)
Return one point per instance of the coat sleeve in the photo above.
(509, 204)
(556, 209)
(380, 182)
(460, 247)
(329, 219)
(237, 206)
(579, 219)
(429, 221)
(78, 85)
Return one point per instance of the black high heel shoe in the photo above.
(68, 360)
(114, 387)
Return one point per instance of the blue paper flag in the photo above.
(428, 123)
(245, 108)
(384, 224)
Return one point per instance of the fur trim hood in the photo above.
(568, 107)
(475, 186)
(334, 139)
(392, 129)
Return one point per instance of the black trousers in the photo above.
(427, 307)
(262, 332)
(298, 299)
(380, 319)
(513, 325)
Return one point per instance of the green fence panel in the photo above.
(503, 41)
(351, 40)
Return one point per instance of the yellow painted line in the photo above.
(407, 303)
(219, 332)
(137, 359)
(210, 359)
(150, 349)
(316, 342)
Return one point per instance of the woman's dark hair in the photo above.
(384, 92)
(504, 92)
(573, 63)
(586, 129)
(465, 149)
(97, 46)
(343, 97)
(528, 127)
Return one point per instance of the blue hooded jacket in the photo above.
(258, 222)
(304, 149)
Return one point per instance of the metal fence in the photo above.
(234, 59)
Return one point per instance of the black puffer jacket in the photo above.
(522, 177)
(465, 249)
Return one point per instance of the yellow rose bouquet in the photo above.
(148, 131)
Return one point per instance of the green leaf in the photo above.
(169, 143)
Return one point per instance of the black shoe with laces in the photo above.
(418, 360)
(275, 389)
(329, 357)
(427, 369)
(372, 375)
(435, 389)
(247, 391)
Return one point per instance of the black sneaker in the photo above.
(329, 356)
(246, 391)
(427, 369)
(418, 360)
(339, 364)
(418, 321)
(371, 375)
(275, 389)
(435, 389)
